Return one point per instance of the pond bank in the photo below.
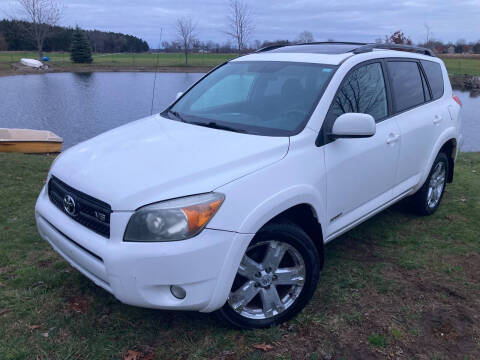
(466, 83)
(15, 69)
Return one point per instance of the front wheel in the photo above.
(276, 278)
(427, 199)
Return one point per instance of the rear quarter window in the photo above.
(435, 77)
(406, 84)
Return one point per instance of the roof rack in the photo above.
(369, 47)
(362, 47)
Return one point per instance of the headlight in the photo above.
(172, 220)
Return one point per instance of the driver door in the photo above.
(360, 172)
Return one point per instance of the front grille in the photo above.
(86, 210)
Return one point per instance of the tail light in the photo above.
(457, 100)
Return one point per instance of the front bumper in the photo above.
(141, 274)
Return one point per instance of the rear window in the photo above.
(435, 77)
(406, 84)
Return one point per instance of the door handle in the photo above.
(392, 138)
(437, 119)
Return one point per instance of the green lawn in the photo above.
(462, 65)
(458, 65)
(59, 59)
(398, 286)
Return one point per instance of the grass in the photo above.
(398, 284)
(462, 65)
(377, 340)
(121, 60)
(456, 65)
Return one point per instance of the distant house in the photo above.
(451, 49)
(467, 49)
(441, 49)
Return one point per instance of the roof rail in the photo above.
(270, 47)
(362, 47)
(369, 47)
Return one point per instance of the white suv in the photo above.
(224, 201)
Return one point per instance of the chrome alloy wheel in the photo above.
(269, 280)
(436, 185)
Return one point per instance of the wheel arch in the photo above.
(450, 149)
(286, 203)
(304, 216)
(447, 142)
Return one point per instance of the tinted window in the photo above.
(406, 84)
(363, 91)
(435, 77)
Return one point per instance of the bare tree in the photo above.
(305, 37)
(42, 16)
(186, 34)
(240, 26)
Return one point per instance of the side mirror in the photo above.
(353, 125)
(178, 95)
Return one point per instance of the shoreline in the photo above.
(13, 71)
(459, 82)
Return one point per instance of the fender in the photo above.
(447, 134)
(281, 201)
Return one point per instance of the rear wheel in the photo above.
(276, 278)
(427, 199)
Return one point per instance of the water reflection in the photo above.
(78, 106)
(471, 119)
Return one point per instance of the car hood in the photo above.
(155, 159)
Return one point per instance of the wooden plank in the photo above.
(30, 147)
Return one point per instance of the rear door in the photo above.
(360, 172)
(418, 117)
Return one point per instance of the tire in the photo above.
(252, 302)
(427, 199)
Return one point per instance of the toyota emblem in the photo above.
(69, 205)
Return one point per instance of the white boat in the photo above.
(29, 141)
(31, 63)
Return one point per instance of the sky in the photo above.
(341, 20)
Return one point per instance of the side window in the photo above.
(231, 89)
(435, 77)
(363, 91)
(406, 84)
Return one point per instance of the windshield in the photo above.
(255, 97)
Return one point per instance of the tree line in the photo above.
(14, 37)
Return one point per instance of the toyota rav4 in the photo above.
(225, 200)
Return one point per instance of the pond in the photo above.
(78, 106)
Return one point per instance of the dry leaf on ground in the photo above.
(132, 355)
(263, 347)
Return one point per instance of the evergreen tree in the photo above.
(81, 51)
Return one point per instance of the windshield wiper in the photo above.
(177, 115)
(215, 125)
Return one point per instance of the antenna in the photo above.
(156, 70)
